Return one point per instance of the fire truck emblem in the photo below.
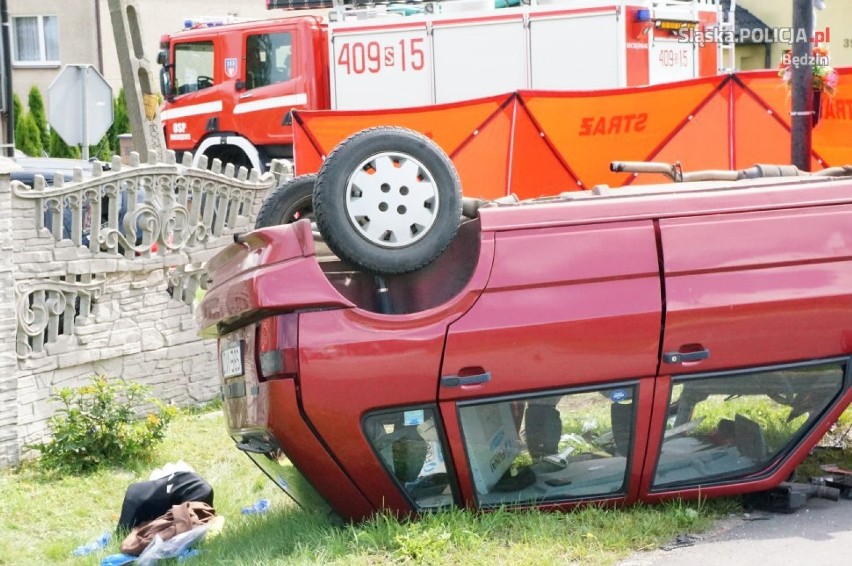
(231, 67)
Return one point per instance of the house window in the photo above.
(36, 40)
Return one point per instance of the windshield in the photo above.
(193, 66)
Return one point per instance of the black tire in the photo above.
(290, 201)
(366, 211)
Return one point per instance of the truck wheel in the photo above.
(290, 201)
(387, 200)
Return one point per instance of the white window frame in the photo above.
(43, 61)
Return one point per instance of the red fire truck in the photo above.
(229, 89)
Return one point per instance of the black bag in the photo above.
(543, 430)
(147, 500)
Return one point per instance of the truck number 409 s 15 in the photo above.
(359, 57)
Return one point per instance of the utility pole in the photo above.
(143, 107)
(8, 106)
(802, 84)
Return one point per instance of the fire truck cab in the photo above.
(228, 89)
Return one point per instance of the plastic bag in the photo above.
(175, 546)
(93, 546)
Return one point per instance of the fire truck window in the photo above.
(193, 66)
(553, 448)
(267, 59)
(725, 427)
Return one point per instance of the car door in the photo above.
(757, 335)
(546, 381)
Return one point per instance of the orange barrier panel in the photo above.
(536, 143)
(457, 128)
(591, 129)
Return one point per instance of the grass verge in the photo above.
(44, 518)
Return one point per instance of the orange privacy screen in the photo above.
(535, 143)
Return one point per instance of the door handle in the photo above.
(456, 381)
(684, 357)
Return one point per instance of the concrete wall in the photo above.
(116, 296)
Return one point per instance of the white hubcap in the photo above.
(392, 200)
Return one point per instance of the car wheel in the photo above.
(387, 200)
(290, 201)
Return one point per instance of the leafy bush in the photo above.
(121, 121)
(17, 108)
(35, 101)
(98, 426)
(58, 148)
(27, 137)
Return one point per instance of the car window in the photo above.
(731, 425)
(549, 448)
(409, 446)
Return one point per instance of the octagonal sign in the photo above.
(79, 104)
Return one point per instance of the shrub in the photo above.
(36, 105)
(27, 137)
(98, 426)
(17, 108)
(58, 148)
(121, 121)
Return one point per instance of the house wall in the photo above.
(78, 40)
(837, 16)
(81, 20)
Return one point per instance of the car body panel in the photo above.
(562, 292)
(342, 377)
(757, 276)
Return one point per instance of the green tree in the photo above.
(27, 136)
(121, 120)
(36, 105)
(120, 125)
(102, 151)
(18, 109)
(58, 148)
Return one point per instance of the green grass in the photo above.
(44, 518)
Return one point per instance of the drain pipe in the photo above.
(9, 146)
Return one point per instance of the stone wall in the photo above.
(100, 275)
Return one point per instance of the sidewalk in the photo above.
(820, 534)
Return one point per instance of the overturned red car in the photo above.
(610, 346)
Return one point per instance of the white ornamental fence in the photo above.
(100, 274)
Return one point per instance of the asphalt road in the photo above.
(818, 534)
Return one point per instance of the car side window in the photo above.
(554, 447)
(731, 425)
(267, 59)
(409, 445)
(193, 66)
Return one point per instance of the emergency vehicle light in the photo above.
(208, 22)
(299, 4)
(675, 25)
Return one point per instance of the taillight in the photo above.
(278, 346)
